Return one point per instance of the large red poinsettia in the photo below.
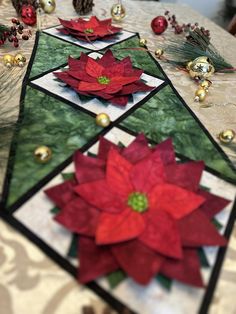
(138, 210)
(105, 78)
(89, 30)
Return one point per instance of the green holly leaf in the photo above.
(55, 210)
(68, 176)
(217, 224)
(73, 249)
(164, 281)
(203, 259)
(115, 278)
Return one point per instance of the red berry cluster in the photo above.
(185, 28)
(13, 34)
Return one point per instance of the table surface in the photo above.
(26, 271)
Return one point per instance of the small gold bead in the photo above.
(103, 120)
(8, 60)
(118, 12)
(201, 94)
(19, 60)
(159, 52)
(205, 84)
(226, 136)
(142, 42)
(42, 154)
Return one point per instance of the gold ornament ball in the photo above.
(200, 94)
(227, 136)
(42, 154)
(19, 60)
(48, 6)
(159, 52)
(201, 68)
(8, 60)
(103, 120)
(205, 84)
(142, 42)
(118, 12)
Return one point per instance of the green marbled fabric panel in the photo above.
(49, 122)
(164, 116)
(51, 52)
(139, 58)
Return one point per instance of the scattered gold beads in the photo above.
(42, 154)
(159, 52)
(8, 60)
(227, 136)
(20, 60)
(118, 12)
(200, 95)
(142, 42)
(103, 120)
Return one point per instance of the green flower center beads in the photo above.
(104, 80)
(138, 202)
(89, 31)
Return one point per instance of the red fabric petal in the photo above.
(76, 64)
(162, 235)
(187, 175)
(186, 270)
(213, 204)
(174, 200)
(113, 88)
(92, 23)
(147, 173)
(81, 75)
(119, 100)
(95, 261)
(135, 87)
(137, 150)
(116, 70)
(93, 68)
(99, 194)
(117, 174)
(107, 59)
(63, 76)
(87, 86)
(138, 261)
(124, 226)
(62, 193)
(123, 80)
(166, 151)
(104, 148)
(88, 169)
(196, 230)
(79, 217)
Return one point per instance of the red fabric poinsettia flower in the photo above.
(105, 78)
(138, 210)
(89, 30)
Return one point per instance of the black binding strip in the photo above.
(63, 263)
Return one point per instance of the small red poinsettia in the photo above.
(89, 30)
(105, 78)
(138, 210)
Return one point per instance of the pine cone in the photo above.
(17, 4)
(83, 7)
